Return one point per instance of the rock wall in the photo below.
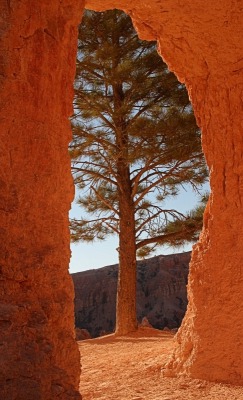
(161, 294)
(39, 358)
(203, 46)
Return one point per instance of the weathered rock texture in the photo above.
(161, 294)
(39, 358)
(203, 44)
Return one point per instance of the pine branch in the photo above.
(167, 238)
(112, 227)
(101, 140)
(154, 184)
(96, 106)
(91, 68)
(153, 216)
(95, 174)
(104, 201)
(143, 109)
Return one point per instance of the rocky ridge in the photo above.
(161, 294)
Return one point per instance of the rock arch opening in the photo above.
(39, 357)
(144, 84)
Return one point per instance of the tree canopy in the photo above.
(128, 102)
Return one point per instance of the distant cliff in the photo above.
(161, 294)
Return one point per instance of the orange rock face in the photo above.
(39, 358)
(203, 46)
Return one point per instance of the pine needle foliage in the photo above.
(135, 138)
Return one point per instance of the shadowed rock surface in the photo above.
(161, 294)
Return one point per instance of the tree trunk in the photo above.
(126, 320)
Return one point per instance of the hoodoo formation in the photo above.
(203, 46)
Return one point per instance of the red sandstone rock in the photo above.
(203, 46)
(39, 358)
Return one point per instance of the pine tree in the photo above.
(135, 142)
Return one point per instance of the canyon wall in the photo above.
(203, 46)
(161, 294)
(39, 358)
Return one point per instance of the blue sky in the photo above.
(98, 254)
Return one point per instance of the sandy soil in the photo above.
(129, 368)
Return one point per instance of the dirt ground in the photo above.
(129, 368)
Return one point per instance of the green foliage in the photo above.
(186, 229)
(134, 132)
